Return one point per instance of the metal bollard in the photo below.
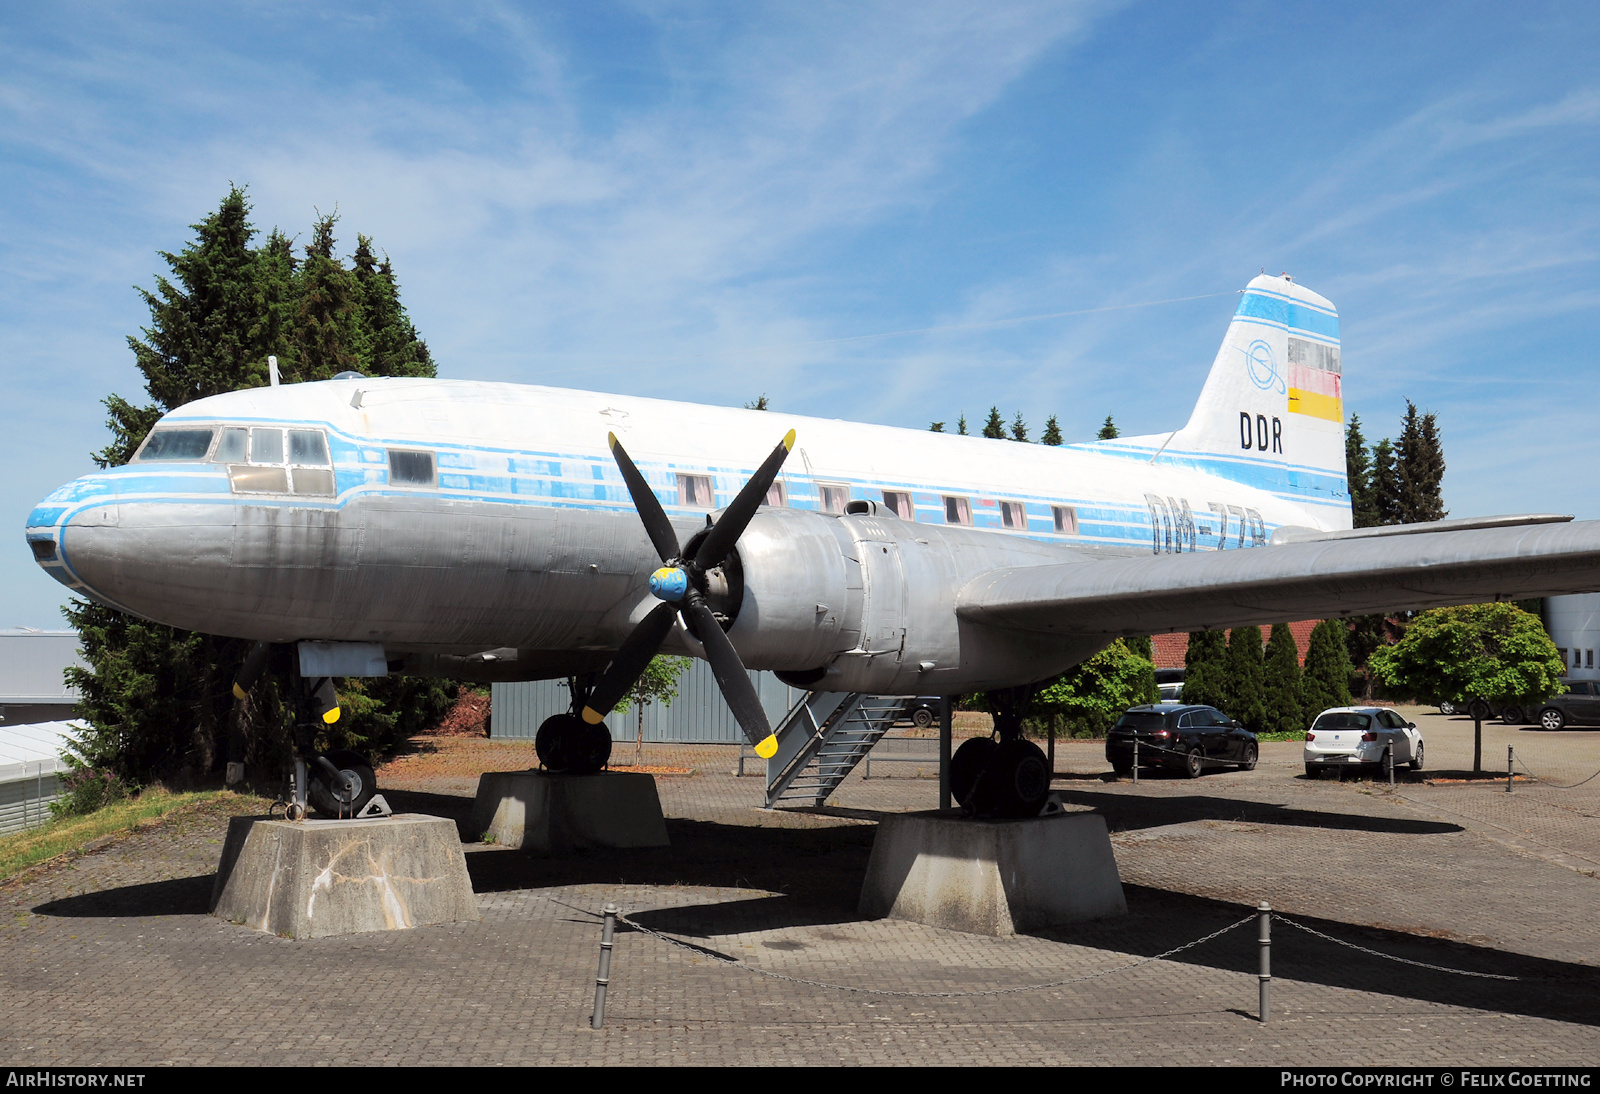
(1135, 757)
(1511, 755)
(598, 1019)
(1264, 923)
(1388, 761)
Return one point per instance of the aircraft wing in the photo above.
(1312, 576)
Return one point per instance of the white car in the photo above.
(1347, 736)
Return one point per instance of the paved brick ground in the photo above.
(110, 959)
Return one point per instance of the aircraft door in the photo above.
(883, 616)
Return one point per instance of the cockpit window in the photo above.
(308, 448)
(177, 444)
(266, 446)
(231, 448)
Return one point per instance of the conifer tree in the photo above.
(1282, 683)
(1418, 469)
(936, 427)
(1052, 432)
(1019, 428)
(1204, 669)
(1108, 430)
(961, 426)
(1385, 484)
(995, 427)
(1358, 470)
(1246, 679)
(1326, 682)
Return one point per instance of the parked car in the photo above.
(1579, 706)
(921, 711)
(1180, 737)
(1347, 736)
(1171, 693)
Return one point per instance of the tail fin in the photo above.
(1271, 414)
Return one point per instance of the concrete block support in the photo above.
(313, 879)
(992, 877)
(536, 811)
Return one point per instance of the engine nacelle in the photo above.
(866, 602)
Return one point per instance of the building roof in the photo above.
(30, 750)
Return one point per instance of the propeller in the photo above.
(323, 697)
(680, 585)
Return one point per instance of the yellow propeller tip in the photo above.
(593, 716)
(238, 692)
(331, 716)
(611, 440)
(769, 747)
(788, 441)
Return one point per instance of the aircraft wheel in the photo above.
(332, 800)
(1020, 776)
(555, 741)
(967, 765)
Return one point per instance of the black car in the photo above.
(1182, 737)
(1579, 706)
(921, 711)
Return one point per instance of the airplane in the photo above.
(493, 531)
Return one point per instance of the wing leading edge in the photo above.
(1280, 583)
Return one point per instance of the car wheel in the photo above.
(1250, 758)
(1313, 771)
(1447, 708)
(922, 718)
(1416, 760)
(1553, 719)
(1478, 710)
(1194, 763)
(1511, 716)
(1124, 769)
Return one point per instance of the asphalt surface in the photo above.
(110, 958)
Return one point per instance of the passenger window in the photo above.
(695, 490)
(1066, 519)
(266, 446)
(231, 448)
(777, 495)
(899, 503)
(410, 468)
(833, 498)
(957, 511)
(1013, 515)
(308, 448)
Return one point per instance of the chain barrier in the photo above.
(1554, 786)
(1281, 918)
(703, 952)
(1206, 761)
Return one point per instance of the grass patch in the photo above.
(1293, 735)
(58, 837)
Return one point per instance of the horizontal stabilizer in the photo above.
(1340, 576)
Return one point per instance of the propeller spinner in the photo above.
(680, 585)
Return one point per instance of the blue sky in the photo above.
(715, 201)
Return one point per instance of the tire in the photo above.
(1512, 716)
(1551, 718)
(966, 765)
(1479, 711)
(1313, 771)
(922, 718)
(567, 745)
(1194, 764)
(1416, 760)
(1251, 757)
(1447, 708)
(1018, 780)
(1123, 769)
(331, 800)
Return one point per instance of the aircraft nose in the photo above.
(60, 528)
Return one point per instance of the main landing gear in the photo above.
(1004, 777)
(568, 745)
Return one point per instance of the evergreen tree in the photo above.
(1019, 428)
(995, 427)
(158, 700)
(1052, 432)
(1385, 486)
(1246, 679)
(936, 427)
(961, 426)
(1326, 682)
(1419, 469)
(761, 402)
(1108, 430)
(1358, 470)
(1204, 675)
(1282, 683)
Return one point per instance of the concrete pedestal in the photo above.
(992, 877)
(311, 879)
(536, 811)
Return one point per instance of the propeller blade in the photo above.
(715, 547)
(326, 701)
(733, 680)
(655, 519)
(629, 662)
(250, 671)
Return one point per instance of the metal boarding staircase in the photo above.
(821, 740)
